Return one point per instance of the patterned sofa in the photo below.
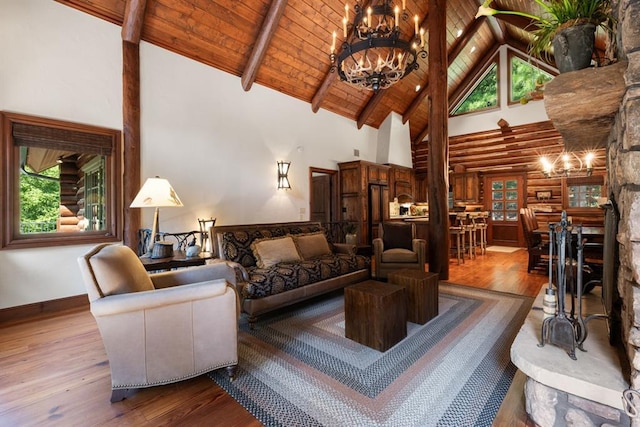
(272, 274)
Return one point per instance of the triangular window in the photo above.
(483, 96)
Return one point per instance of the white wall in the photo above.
(217, 144)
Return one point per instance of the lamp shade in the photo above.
(156, 193)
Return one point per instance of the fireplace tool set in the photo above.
(565, 331)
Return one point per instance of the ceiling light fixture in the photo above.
(374, 56)
(567, 164)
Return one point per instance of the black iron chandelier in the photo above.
(374, 55)
(567, 164)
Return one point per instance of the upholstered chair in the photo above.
(160, 328)
(397, 248)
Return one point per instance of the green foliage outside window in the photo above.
(39, 201)
(525, 78)
(484, 95)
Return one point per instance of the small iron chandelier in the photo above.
(373, 55)
(567, 164)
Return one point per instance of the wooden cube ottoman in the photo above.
(375, 314)
(422, 293)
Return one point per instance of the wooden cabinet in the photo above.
(466, 187)
(401, 182)
(421, 188)
(364, 196)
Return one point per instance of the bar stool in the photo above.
(469, 229)
(479, 219)
(458, 233)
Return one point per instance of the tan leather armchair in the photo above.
(397, 248)
(160, 328)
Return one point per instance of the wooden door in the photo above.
(504, 196)
(321, 198)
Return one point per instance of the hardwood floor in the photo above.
(54, 370)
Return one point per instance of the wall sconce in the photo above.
(567, 164)
(283, 178)
(205, 237)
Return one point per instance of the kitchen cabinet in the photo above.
(364, 197)
(401, 182)
(466, 187)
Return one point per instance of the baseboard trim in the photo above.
(28, 311)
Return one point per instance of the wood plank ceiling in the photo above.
(284, 45)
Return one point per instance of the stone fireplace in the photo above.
(589, 391)
(624, 186)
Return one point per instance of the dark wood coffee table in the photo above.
(375, 314)
(422, 293)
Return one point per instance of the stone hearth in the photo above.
(561, 391)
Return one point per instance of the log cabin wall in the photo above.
(515, 149)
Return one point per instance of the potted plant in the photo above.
(351, 233)
(567, 25)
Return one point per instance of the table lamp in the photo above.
(155, 193)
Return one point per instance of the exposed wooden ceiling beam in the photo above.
(269, 27)
(455, 50)
(133, 20)
(317, 99)
(369, 108)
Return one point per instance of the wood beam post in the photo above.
(262, 43)
(132, 24)
(132, 21)
(131, 136)
(438, 176)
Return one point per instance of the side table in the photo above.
(375, 314)
(422, 293)
(178, 260)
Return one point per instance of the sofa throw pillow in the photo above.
(118, 270)
(312, 245)
(397, 236)
(269, 252)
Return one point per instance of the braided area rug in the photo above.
(298, 369)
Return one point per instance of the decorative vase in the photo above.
(573, 47)
(351, 238)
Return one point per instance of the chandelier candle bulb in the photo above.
(415, 20)
(421, 37)
(333, 43)
(397, 14)
(369, 22)
(344, 27)
(404, 4)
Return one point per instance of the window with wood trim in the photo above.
(62, 182)
(582, 193)
(484, 95)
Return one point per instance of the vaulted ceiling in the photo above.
(284, 45)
